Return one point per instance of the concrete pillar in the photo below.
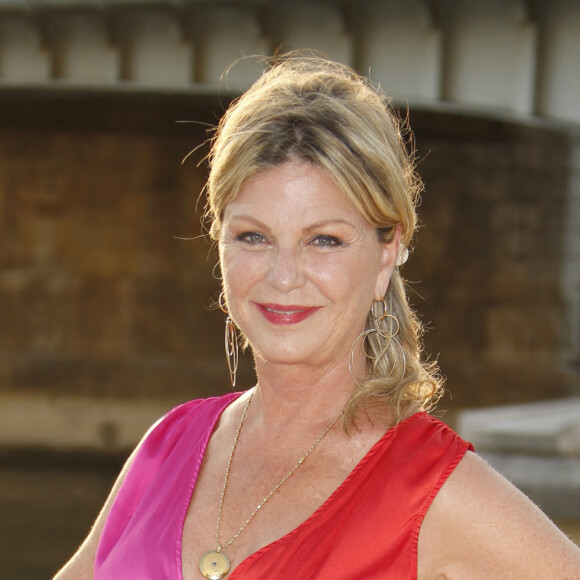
(400, 47)
(558, 69)
(571, 264)
(23, 58)
(489, 53)
(83, 49)
(226, 35)
(307, 25)
(155, 50)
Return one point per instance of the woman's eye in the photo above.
(252, 238)
(325, 241)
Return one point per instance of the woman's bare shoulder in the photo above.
(481, 526)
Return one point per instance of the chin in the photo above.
(284, 355)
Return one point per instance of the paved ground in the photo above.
(47, 505)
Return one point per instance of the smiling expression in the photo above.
(301, 265)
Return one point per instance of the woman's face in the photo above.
(301, 266)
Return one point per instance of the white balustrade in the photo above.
(559, 60)
(400, 48)
(226, 39)
(489, 54)
(84, 50)
(23, 58)
(515, 55)
(155, 50)
(317, 26)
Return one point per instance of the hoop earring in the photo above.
(222, 303)
(231, 341)
(374, 354)
(231, 344)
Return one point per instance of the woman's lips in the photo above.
(286, 313)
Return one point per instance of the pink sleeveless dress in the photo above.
(368, 528)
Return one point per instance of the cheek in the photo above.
(240, 271)
(351, 275)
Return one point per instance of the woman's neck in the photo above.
(289, 393)
(290, 398)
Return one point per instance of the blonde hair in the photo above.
(311, 110)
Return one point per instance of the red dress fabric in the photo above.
(368, 528)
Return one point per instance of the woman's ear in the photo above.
(389, 257)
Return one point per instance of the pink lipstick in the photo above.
(286, 313)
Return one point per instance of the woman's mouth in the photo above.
(286, 313)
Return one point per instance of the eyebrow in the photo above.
(249, 218)
(329, 221)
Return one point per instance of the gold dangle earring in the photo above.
(374, 352)
(231, 341)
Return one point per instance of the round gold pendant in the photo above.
(214, 565)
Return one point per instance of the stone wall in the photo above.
(98, 295)
(497, 215)
(100, 298)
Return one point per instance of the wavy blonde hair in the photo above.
(312, 110)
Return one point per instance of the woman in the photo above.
(330, 467)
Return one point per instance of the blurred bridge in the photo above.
(103, 312)
(520, 56)
(494, 92)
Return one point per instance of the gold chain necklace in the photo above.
(215, 564)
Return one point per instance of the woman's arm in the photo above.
(481, 527)
(81, 565)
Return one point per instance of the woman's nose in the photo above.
(286, 271)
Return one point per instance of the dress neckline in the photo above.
(315, 515)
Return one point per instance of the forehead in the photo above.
(292, 189)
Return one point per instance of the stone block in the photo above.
(536, 446)
(541, 428)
